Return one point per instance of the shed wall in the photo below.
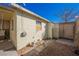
(27, 23)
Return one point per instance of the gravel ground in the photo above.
(52, 48)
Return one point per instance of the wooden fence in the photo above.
(67, 30)
(64, 30)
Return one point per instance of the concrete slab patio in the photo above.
(7, 48)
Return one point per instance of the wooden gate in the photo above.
(66, 30)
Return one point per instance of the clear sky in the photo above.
(50, 11)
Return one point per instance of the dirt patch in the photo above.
(54, 48)
(58, 49)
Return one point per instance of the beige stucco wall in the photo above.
(29, 26)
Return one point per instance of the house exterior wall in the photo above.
(27, 23)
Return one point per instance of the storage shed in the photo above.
(25, 28)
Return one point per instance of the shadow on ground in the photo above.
(6, 45)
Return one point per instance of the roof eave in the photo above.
(16, 5)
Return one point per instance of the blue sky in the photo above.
(50, 11)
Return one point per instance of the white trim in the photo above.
(16, 5)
